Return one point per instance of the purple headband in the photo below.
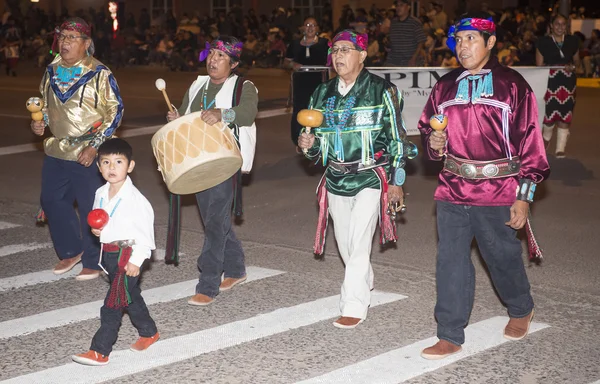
(233, 50)
(361, 40)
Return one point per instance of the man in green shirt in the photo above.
(363, 142)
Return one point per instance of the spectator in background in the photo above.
(440, 20)
(592, 61)
(527, 54)
(406, 37)
(250, 49)
(559, 49)
(309, 50)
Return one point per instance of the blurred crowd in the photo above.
(161, 39)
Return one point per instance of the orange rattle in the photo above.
(439, 123)
(310, 118)
(35, 106)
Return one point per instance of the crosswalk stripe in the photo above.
(91, 310)
(41, 277)
(8, 250)
(185, 347)
(5, 225)
(406, 363)
(34, 278)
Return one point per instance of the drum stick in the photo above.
(161, 85)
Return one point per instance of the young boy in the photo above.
(127, 240)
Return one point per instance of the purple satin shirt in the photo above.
(489, 128)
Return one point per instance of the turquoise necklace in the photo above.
(329, 119)
(65, 77)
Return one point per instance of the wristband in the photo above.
(97, 141)
(227, 115)
(525, 190)
(397, 177)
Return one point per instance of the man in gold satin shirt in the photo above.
(82, 109)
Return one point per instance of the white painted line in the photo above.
(42, 277)
(159, 254)
(31, 147)
(8, 250)
(406, 363)
(20, 149)
(5, 225)
(185, 347)
(272, 113)
(16, 116)
(87, 311)
(34, 278)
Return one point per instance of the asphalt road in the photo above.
(277, 327)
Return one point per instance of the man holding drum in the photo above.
(83, 109)
(363, 142)
(222, 96)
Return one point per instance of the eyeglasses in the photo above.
(310, 25)
(344, 50)
(69, 38)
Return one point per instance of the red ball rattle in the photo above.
(439, 123)
(97, 218)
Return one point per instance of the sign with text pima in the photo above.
(416, 84)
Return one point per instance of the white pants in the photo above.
(355, 219)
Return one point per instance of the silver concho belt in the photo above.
(473, 169)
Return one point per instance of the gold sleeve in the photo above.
(110, 106)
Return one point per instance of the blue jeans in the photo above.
(502, 252)
(64, 183)
(222, 253)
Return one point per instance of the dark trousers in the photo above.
(64, 183)
(222, 252)
(110, 318)
(502, 252)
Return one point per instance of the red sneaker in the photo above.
(90, 358)
(144, 342)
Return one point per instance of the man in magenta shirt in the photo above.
(492, 147)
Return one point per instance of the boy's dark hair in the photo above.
(116, 146)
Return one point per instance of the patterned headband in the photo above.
(70, 25)
(74, 26)
(469, 24)
(233, 50)
(360, 40)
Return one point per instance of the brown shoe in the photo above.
(87, 274)
(200, 299)
(230, 282)
(440, 350)
(517, 328)
(65, 265)
(347, 322)
(144, 342)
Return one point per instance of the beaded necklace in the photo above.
(329, 119)
(204, 104)
(114, 209)
(65, 77)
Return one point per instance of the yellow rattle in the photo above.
(35, 105)
(309, 118)
(439, 123)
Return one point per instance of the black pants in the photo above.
(110, 318)
(222, 253)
